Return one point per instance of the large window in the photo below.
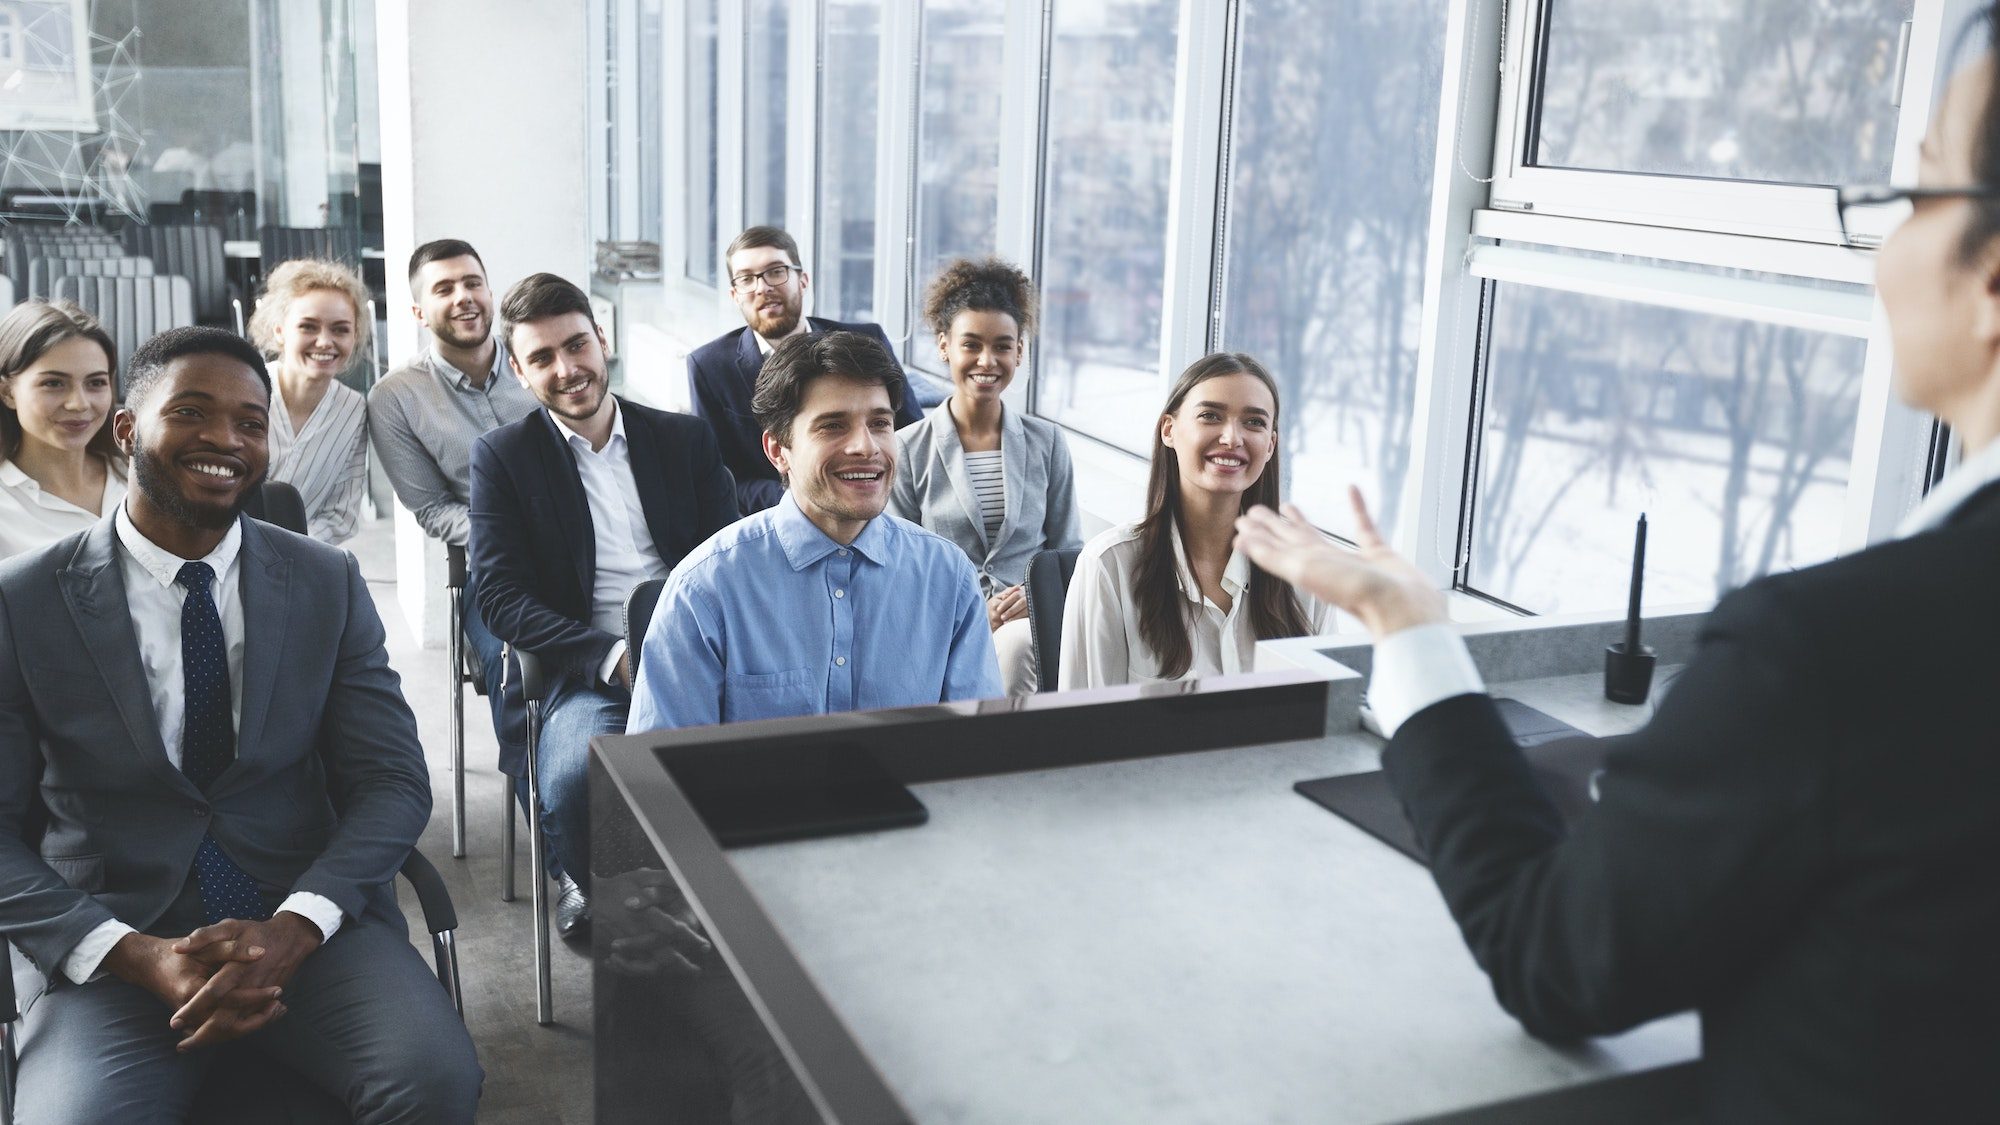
(765, 102)
(702, 248)
(1788, 91)
(958, 142)
(650, 77)
(850, 97)
(1732, 436)
(1109, 133)
(1326, 230)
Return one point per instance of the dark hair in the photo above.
(439, 250)
(539, 296)
(27, 333)
(154, 356)
(984, 285)
(1163, 605)
(762, 235)
(798, 360)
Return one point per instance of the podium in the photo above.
(1114, 908)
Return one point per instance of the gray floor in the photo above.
(533, 1074)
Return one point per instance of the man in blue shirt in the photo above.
(821, 602)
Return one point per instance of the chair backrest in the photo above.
(132, 309)
(279, 504)
(43, 273)
(194, 251)
(234, 213)
(283, 244)
(27, 241)
(1047, 588)
(639, 605)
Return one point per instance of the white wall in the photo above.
(484, 114)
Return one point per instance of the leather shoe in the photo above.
(572, 910)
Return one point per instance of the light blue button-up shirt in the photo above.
(770, 618)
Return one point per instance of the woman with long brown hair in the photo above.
(1167, 597)
(60, 471)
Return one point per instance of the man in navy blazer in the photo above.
(573, 506)
(769, 285)
(208, 780)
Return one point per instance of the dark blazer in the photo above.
(1802, 844)
(327, 794)
(722, 375)
(532, 544)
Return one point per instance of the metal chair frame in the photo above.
(534, 691)
(455, 647)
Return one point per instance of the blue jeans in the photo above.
(574, 713)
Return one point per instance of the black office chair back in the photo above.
(639, 605)
(194, 251)
(43, 273)
(131, 309)
(278, 504)
(1048, 585)
(283, 244)
(26, 242)
(234, 213)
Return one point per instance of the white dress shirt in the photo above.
(626, 554)
(31, 517)
(154, 595)
(1101, 646)
(1429, 664)
(327, 461)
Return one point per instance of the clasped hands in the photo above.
(1381, 588)
(223, 981)
(1005, 606)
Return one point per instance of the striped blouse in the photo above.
(327, 461)
(989, 484)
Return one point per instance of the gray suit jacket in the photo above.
(933, 489)
(327, 794)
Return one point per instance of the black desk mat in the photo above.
(1562, 758)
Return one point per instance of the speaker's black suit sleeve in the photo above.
(1708, 835)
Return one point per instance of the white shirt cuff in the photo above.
(81, 966)
(317, 909)
(609, 672)
(1415, 668)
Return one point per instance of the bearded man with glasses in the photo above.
(769, 285)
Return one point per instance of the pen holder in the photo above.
(1628, 676)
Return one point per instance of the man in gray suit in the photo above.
(208, 779)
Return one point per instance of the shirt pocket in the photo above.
(770, 695)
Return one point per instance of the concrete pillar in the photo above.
(484, 117)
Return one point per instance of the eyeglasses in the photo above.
(773, 276)
(1893, 205)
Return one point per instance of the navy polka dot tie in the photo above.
(208, 742)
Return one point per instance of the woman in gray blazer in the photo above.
(995, 481)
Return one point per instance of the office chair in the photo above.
(639, 606)
(461, 674)
(190, 250)
(279, 504)
(534, 691)
(1046, 589)
(251, 1105)
(131, 309)
(44, 272)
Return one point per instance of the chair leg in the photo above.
(445, 945)
(507, 838)
(538, 872)
(455, 646)
(8, 1069)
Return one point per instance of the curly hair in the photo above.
(982, 285)
(294, 279)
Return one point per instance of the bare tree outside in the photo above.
(1104, 217)
(1335, 114)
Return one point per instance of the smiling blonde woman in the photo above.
(311, 322)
